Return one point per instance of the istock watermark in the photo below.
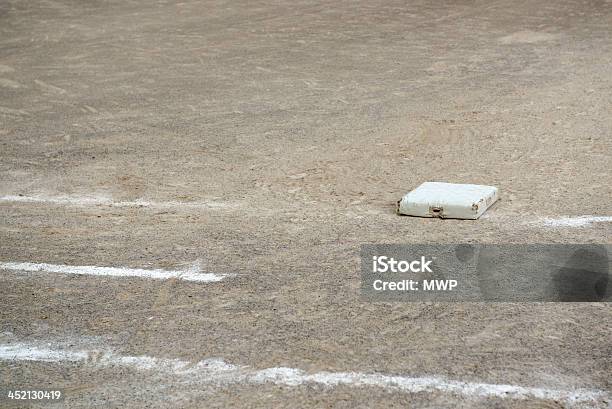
(382, 264)
(498, 273)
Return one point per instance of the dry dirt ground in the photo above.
(269, 140)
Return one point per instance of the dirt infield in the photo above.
(263, 142)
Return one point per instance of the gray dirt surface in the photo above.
(299, 124)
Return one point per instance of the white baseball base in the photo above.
(448, 200)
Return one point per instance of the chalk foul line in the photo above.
(105, 201)
(576, 221)
(217, 372)
(550, 222)
(190, 274)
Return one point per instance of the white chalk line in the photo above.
(577, 221)
(217, 371)
(84, 201)
(551, 222)
(190, 274)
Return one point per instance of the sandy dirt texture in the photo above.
(268, 140)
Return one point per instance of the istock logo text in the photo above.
(384, 264)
